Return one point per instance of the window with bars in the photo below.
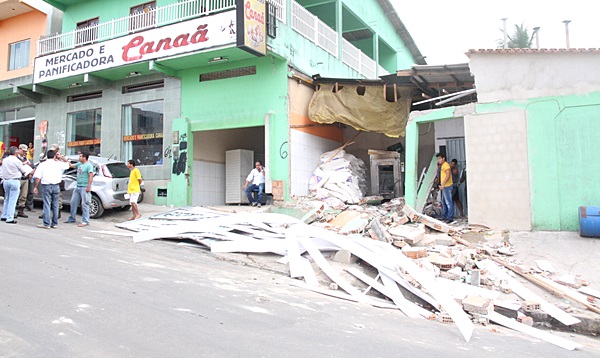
(142, 16)
(219, 75)
(87, 31)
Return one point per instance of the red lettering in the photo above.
(254, 15)
(181, 40)
(166, 44)
(135, 42)
(200, 35)
(147, 48)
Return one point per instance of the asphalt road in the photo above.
(76, 292)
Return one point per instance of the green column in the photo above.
(179, 189)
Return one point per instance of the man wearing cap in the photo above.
(12, 171)
(22, 155)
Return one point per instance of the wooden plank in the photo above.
(308, 273)
(569, 292)
(590, 292)
(527, 294)
(534, 332)
(344, 218)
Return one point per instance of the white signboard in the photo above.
(192, 35)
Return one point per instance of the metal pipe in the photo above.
(444, 96)
(566, 22)
(466, 93)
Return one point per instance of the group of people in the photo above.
(17, 171)
(449, 180)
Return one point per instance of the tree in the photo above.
(519, 39)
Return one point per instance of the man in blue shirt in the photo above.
(83, 192)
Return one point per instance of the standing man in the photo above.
(12, 171)
(134, 189)
(254, 181)
(49, 172)
(456, 183)
(446, 188)
(57, 154)
(83, 192)
(24, 188)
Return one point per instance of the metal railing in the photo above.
(133, 23)
(280, 9)
(309, 26)
(303, 22)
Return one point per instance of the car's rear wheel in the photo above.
(96, 208)
(140, 198)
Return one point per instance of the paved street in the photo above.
(74, 292)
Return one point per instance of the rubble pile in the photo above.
(388, 256)
(339, 179)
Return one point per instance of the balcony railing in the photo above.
(303, 22)
(133, 23)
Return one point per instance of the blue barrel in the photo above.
(589, 221)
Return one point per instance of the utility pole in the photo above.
(505, 43)
(536, 33)
(566, 22)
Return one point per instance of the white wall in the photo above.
(498, 171)
(525, 74)
(452, 128)
(305, 152)
(208, 187)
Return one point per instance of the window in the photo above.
(84, 132)
(18, 55)
(143, 133)
(87, 31)
(142, 16)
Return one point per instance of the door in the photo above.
(455, 149)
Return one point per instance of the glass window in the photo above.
(84, 132)
(142, 16)
(143, 133)
(18, 55)
(87, 31)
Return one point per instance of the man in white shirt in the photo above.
(49, 173)
(12, 170)
(255, 182)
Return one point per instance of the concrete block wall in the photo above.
(208, 187)
(305, 151)
(498, 170)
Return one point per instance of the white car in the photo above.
(109, 186)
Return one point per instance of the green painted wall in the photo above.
(179, 191)
(106, 10)
(562, 133)
(237, 103)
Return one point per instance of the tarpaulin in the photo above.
(368, 112)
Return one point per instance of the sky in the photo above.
(445, 30)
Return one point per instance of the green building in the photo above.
(175, 85)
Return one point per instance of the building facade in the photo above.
(22, 23)
(176, 84)
(528, 139)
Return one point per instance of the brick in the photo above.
(530, 306)
(525, 320)
(478, 304)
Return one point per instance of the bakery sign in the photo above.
(251, 26)
(188, 36)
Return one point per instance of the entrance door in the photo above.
(455, 149)
(18, 124)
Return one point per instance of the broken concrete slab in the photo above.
(477, 304)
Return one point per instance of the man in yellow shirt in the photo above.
(134, 189)
(447, 188)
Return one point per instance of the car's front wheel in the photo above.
(96, 208)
